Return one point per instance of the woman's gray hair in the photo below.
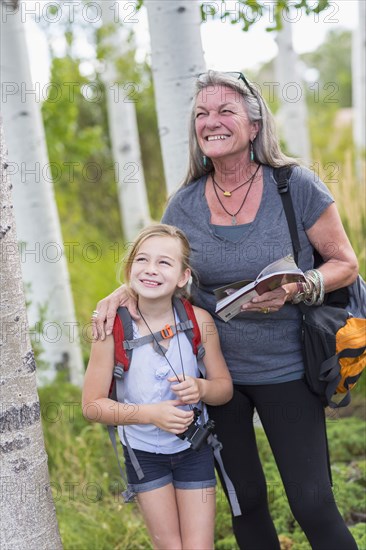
(266, 145)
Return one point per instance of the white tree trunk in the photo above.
(123, 131)
(359, 81)
(177, 58)
(292, 117)
(28, 518)
(43, 261)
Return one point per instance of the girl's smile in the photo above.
(156, 270)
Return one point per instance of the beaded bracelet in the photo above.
(311, 292)
(321, 292)
(300, 294)
(316, 296)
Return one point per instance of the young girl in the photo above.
(176, 494)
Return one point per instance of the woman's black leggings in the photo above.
(293, 420)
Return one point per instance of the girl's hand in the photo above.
(188, 389)
(271, 301)
(107, 308)
(168, 417)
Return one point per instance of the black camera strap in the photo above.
(163, 350)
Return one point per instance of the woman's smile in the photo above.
(214, 138)
(222, 125)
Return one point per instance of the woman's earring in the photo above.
(251, 152)
(204, 160)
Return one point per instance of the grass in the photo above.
(86, 483)
(349, 192)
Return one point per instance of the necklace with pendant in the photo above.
(229, 193)
(233, 215)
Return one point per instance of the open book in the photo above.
(231, 297)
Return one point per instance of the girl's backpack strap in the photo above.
(185, 311)
(124, 343)
(232, 496)
(122, 330)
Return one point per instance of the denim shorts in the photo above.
(187, 469)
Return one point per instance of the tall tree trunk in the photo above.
(28, 518)
(123, 130)
(292, 117)
(359, 85)
(177, 58)
(43, 261)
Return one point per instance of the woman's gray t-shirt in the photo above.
(258, 348)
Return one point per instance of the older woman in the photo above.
(232, 214)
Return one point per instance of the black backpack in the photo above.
(333, 334)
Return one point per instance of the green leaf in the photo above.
(248, 12)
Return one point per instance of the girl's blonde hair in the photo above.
(159, 230)
(266, 145)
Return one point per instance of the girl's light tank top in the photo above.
(146, 382)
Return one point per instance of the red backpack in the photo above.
(124, 343)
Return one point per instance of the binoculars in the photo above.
(196, 434)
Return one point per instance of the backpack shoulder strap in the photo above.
(186, 312)
(339, 297)
(282, 177)
(122, 330)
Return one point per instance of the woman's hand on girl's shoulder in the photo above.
(107, 308)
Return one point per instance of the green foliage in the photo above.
(86, 484)
(150, 148)
(351, 431)
(83, 171)
(335, 164)
(85, 478)
(347, 443)
(79, 150)
(330, 129)
(248, 12)
(330, 91)
(359, 532)
(136, 81)
(333, 64)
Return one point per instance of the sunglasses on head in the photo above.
(239, 76)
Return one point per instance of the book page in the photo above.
(231, 297)
(227, 290)
(284, 265)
